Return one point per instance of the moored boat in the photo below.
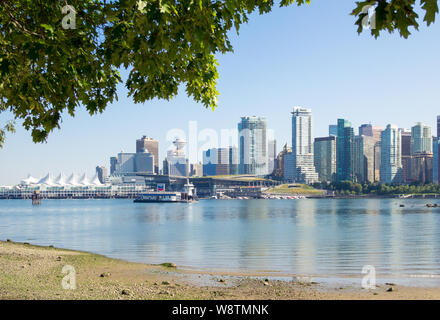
(187, 195)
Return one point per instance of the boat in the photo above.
(188, 194)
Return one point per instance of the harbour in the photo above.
(322, 238)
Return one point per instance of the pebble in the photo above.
(126, 292)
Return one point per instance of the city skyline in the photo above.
(357, 132)
(289, 57)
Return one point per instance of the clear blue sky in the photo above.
(310, 56)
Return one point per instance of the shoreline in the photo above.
(35, 272)
(304, 196)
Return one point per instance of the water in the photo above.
(321, 238)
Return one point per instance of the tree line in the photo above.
(354, 188)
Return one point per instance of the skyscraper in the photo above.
(289, 167)
(152, 146)
(333, 130)
(370, 131)
(279, 171)
(217, 162)
(375, 132)
(406, 155)
(144, 162)
(302, 146)
(422, 167)
(252, 137)
(391, 162)
(102, 173)
(196, 169)
(436, 161)
(176, 164)
(363, 150)
(113, 164)
(325, 158)
(436, 151)
(438, 126)
(421, 139)
(345, 158)
(272, 146)
(126, 163)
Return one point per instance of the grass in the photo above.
(301, 189)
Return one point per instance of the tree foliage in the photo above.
(354, 188)
(46, 69)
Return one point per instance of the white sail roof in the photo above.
(61, 180)
(95, 181)
(83, 181)
(73, 180)
(47, 180)
(29, 180)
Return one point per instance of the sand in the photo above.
(35, 272)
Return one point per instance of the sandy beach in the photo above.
(35, 272)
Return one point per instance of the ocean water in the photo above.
(314, 237)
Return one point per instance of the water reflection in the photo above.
(315, 237)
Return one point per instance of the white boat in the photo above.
(187, 195)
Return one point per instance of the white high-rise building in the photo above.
(302, 146)
(253, 146)
(176, 161)
(391, 155)
(421, 139)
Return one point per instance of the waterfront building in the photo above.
(210, 162)
(406, 155)
(370, 131)
(302, 146)
(375, 132)
(165, 167)
(391, 162)
(289, 168)
(272, 147)
(220, 161)
(145, 162)
(421, 139)
(333, 130)
(363, 150)
(325, 158)
(152, 145)
(438, 127)
(233, 160)
(377, 159)
(279, 163)
(253, 146)
(176, 162)
(436, 161)
(101, 171)
(126, 163)
(113, 164)
(196, 170)
(422, 168)
(344, 149)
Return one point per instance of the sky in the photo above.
(309, 56)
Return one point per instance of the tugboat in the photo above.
(188, 194)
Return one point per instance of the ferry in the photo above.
(187, 195)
